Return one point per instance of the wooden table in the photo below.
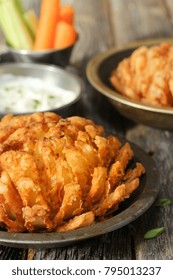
(102, 24)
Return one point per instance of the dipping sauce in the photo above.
(19, 94)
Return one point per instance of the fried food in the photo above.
(147, 75)
(83, 220)
(61, 174)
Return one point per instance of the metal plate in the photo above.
(98, 72)
(129, 210)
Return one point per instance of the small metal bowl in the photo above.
(52, 75)
(99, 70)
(59, 57)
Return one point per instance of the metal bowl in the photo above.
(57, 57)
(99, 70)
(53, 75)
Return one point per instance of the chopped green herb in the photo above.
(51, 96)
(7, 109)
(20, 90)
(154, 232)
(7, 88)
(163, 202)
(36, 103)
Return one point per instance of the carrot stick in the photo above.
(49, 16)
(65, 35)
(67, 14)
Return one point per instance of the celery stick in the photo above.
(10, 16)
(32, 21)
(8, 28)
(19, 6)
(21, 10)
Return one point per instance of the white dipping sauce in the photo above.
(21, 94)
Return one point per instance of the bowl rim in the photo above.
(96, 82)
(36, 52)
(52, 68)
(10, 49)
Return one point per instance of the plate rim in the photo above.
(136, 209)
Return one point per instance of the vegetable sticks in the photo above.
(67, 14)
(49, 15)
(13, 25)
(65, 35)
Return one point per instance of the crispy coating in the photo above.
(10, 208)
(83, 220)
(147, 75)
(61, 174)
(71, 204)
(118, 195)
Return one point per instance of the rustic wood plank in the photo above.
(168, 7)
(8, 253)
(137, 19)
(109, 246)
(157, 143)
(93, 37)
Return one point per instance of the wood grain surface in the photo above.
(102, 24)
